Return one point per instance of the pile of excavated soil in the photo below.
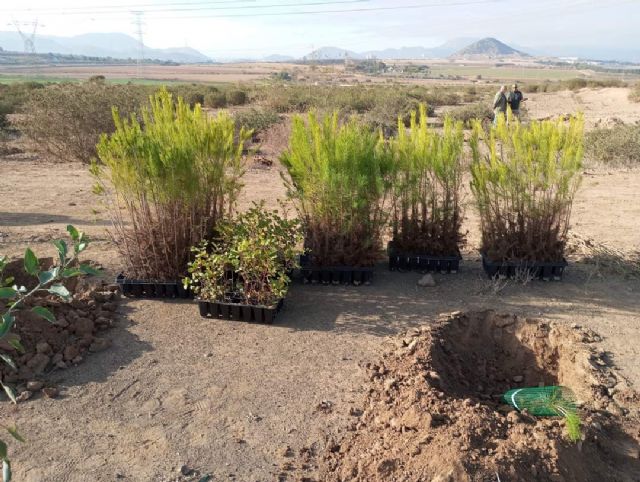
(78, 330)
(434, 410)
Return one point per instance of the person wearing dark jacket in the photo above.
(499, 104)
(514, 99)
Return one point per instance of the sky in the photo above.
(253, 28)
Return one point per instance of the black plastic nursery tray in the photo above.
(334, 274)
(149, 289)
(239, 312)
(546, 271)
(422, 262)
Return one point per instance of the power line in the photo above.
(279, 5)
(179, 8)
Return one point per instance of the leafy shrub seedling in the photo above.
(249, 260)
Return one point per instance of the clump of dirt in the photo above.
(434, 409)
(78, 330)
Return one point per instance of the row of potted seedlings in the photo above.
(172, 180)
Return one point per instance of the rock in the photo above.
(51, 392)
(38, 363)
(34, 385)
(43, 347)
(287, 452)
(389, 383)
(185, 470)
(99, 344)
(24, 396)
(62, 322)
(70, 352)
(427, 281)
(77, 359)
(518, 378)
(514, 417)
(83, 326)
(58, 357)
(110, 306)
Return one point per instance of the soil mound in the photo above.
(434, 410)
(79, 330)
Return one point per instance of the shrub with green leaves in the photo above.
(236, 97)
(427, 216)
(468, 113)
(215, 100)
(14, 299)
(168, 181)
(249, 260)
(66, 120)
(257, 120)
(524, 182)
(618, 145)
(340, 178)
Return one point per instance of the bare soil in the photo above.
(438, 391)
(175, 393)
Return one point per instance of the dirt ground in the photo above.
(600, 106)
(176, 392)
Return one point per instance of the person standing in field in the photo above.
(499, 104)
(514, 98)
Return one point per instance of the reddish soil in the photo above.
(434, 412)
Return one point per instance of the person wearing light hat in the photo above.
(499, 104)
(514, 99)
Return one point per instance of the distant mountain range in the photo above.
(441, 51)
(115, 45)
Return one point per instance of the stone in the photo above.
(70, 352)
(58, 357)
(427, 281)
(62, 322)
(518, 378)
(38, 363)
(99, 344)
(83, 326)
(24, 396)
(43, 347)
(389, 383)
(34, 385)
(51, 392)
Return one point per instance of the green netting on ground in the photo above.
(553, 401)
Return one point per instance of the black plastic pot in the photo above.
(422, 262)
(239, 311)
(547, 271)
(334, 274)
(133, 288)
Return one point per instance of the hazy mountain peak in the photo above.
(488, 47)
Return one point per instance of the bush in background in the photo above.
(66, 120)
(634, 95)
(256, 120)
(215, 100)
(12, 98)
(236, 97)
(616, 145)
(468, 113)
(168, 180)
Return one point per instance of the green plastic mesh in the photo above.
(553, 401)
